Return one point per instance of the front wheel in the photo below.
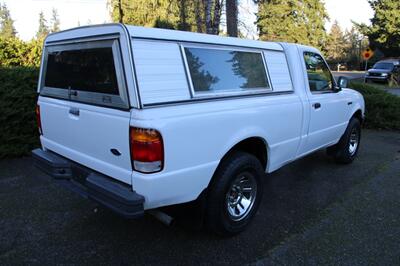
(346, 150)
(234, 194)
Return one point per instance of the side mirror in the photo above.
(343, 82)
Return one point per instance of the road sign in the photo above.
(367, 54)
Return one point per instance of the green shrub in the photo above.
(18, 129)
(15, 52)
(382, 108)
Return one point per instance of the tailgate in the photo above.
(84, 106)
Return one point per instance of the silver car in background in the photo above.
(386, 71)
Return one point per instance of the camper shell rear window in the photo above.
(89, 72)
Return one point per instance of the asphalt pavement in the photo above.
(349, 74)
(314, 212)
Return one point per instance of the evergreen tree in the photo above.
(7, 29)
(196, 15)
(355, 44)
(336, 45)
(292, 21)
(384, 33)
(55, 21)
(43, 28)
(144, 12)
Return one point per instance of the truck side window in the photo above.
(319, 77)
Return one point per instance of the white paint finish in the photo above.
(183, 185)
(184, 36)
(88, 138)
(160, 71)
(327, 123)
(204, 132)
(278, 71)
(299, 84)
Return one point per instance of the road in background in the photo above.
(360, 76)
(314, 211)
(349, 74)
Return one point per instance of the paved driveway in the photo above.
(313, 212)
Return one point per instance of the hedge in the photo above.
(18, 129)
(19, 133)
(15, 52)
(382, 108)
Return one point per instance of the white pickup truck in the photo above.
(138, 118)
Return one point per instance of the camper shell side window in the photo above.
(225, 70)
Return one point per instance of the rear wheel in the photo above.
(234, 194)
(346, 149)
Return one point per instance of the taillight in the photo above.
(39, 122)
(147, 151)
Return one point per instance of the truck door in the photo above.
(328, 105)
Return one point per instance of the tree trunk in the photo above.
(207, 15)
(182, 13)
(120, 12)
(183, 25)
(199, 21)
(217, 16)
(232, 18)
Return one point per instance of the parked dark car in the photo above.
(387, 71)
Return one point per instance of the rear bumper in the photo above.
(90, 184)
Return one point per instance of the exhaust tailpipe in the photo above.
(162, 217)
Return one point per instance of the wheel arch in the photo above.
(254, 145)
(357, 114)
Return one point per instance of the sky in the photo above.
(71, 12)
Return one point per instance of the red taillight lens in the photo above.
(39, 122)
(147, 150)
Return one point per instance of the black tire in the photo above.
(345, 151)
(219, 217)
